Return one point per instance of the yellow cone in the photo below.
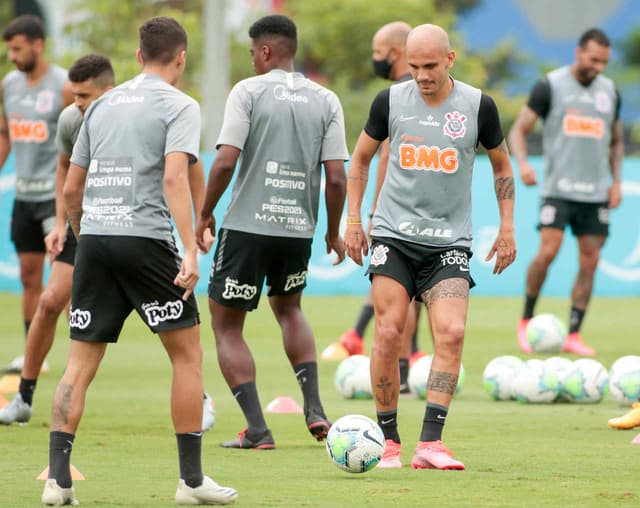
(75, 474)
(334, 352)
(9, 383)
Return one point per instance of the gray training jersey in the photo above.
(69, 123)
(576, 138)
(123, 142)
(426, 195)
(285, 125)
(32, 117)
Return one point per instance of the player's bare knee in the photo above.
(51, 302)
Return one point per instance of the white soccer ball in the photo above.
(355, 443)
(560, 365)
(625, 362)
(546, 333)
(499, 374)
(587, 381)
(536, 383)
(624, 380)
(419, 374)
(353, 379)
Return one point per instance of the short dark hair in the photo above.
(28, 25)
(161, 39)
(276, 25)
(596, 35)
(92, 66)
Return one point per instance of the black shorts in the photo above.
(418, 267)
(68, 253)
(242, 261)
(584, 218)
(114, 275)
(30, 223)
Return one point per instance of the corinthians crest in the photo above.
(454, 128)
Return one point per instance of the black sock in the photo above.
(366, 313)
(246, 395)
(529, 304)
(575, 319)
(307, 376)
(414, 340)
(190, 458)
(433, 423)
(60, 445)
(388, 421)
(403, 364)
(27, 387)
(27, 324)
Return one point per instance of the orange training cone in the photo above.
(75, 474)
(283, 405)
(9, 383)
(334, 352)
(3, 401)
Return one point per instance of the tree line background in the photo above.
(334, 48)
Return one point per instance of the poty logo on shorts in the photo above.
(79, 318)
(234, 290)
(379, 255)
(158, 313)
(295, 280)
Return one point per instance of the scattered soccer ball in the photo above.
(624, 363)
(419, 374)
(353, 379)
(587, 381)
(536, 383)
(499, 374)
(546, 333)
(624, 380)
(355, 443)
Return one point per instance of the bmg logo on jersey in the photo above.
(157, 313)
(428, 158)
(79, 318)
(295, 279)
(234, 290)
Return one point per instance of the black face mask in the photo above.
(382, 68)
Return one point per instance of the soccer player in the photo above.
(128, 177)
(283, 128)
(583, 150)
(389, 52)
(421, 237)
(32, 97)
(90, 76)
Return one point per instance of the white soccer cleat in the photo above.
(207, 493)
(208, 413)
(16, 411)
(54, 495)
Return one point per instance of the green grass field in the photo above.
(516, 455)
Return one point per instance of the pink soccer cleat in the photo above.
(574, 344)
(352, 342)
(391, 456)
(434, 455)
(523, 342)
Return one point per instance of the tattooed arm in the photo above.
(355, 237)
(504, 247)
